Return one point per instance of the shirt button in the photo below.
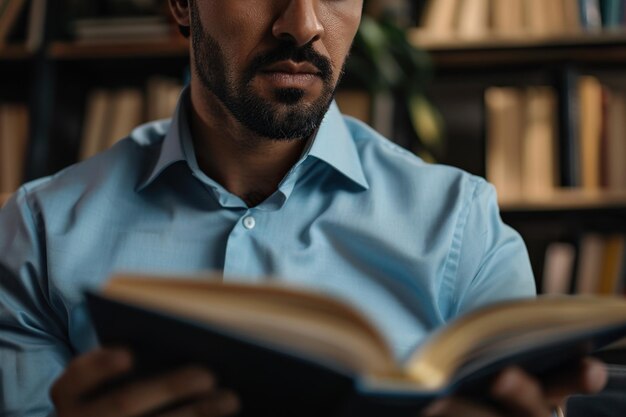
(249, 222)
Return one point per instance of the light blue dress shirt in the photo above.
(410, 244)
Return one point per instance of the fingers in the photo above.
(87, 372)
(223, 403)
(456, 407)
(522, 394)
(193, 388)
(587, 378)
(142, 397)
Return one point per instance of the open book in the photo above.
(288, 351)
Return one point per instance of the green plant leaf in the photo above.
(427, 122)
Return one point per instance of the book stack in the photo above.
(522, 141)
(111, 21)
(22, 21)
(475, 19)
(601, 127)
(122, 29)
(112, 114)
(13, 145)
(593, 264)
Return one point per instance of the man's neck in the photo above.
(246, 164)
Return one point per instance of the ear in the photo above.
(180, 11)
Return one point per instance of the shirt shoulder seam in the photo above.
(451, 264)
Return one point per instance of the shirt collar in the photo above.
(333, 144)
(171, 150)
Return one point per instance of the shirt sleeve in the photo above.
(493, 262)
(33, 338)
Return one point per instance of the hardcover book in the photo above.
(288, 351)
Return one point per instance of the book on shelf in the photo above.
(590, 15)
(612, 13)
(95, 123)
(291, 351)
(112, 114)
(14, 121)
(122, 29)
(599, 267)
(127, 112)
(615, 162)
(505, 126)
(473, 18)
(560, 258)
(612, 266)
(590, 97)
(521, 155)
(539, 156)
(571, 14)
(531, 139)
(10, 11)
(162, 95)
(513, 19)
(36, 24)
(592, 246)
(602, 127)
(440, 17)
(539, 20)
(508, 17)
(111, 21)
(23, 22)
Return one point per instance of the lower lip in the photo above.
(288, 80)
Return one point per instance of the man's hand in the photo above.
(193, 387)
(519, 394)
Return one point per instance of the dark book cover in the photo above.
(569, 138)
(273, 381)
(268, 381)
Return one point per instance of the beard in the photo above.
(286, 117)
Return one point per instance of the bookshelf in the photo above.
(481, 77)
(59, 79)
(15, 53)
(173, 48)
(590, 49)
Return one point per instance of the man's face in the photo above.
(274, 64)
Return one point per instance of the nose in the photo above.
(299, 22)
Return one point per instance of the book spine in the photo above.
(569, 114)
(590, 14)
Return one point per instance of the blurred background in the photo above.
(530, 94)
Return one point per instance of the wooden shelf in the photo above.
(15, 53)
(176, 47)
(567, 200)
(600, 48)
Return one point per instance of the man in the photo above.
(257, 174)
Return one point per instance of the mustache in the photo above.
(288, 51)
